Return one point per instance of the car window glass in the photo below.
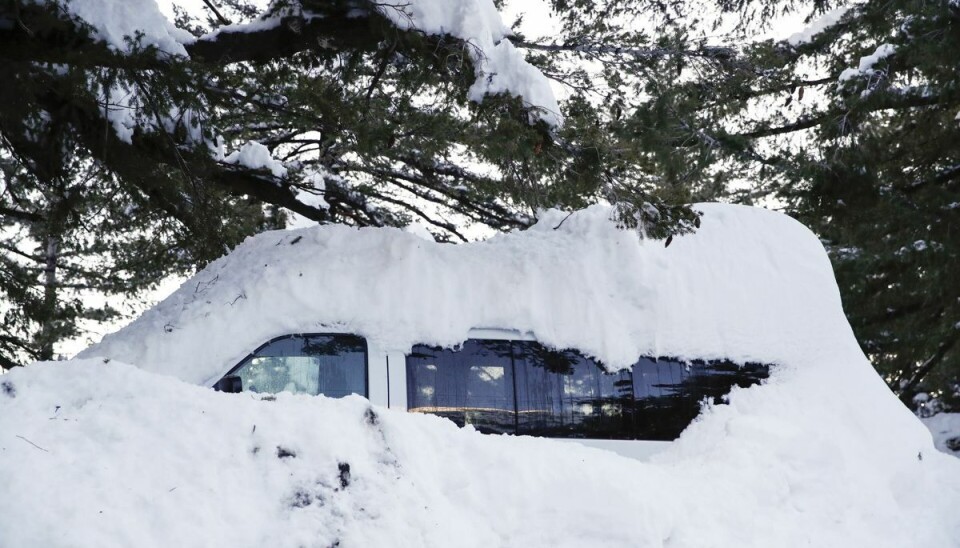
(471, 385)
(524, 387)
(332, 365)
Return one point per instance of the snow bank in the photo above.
(95, 455)
(820, 455)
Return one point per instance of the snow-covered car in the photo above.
(514, 334)
(502, 382)
(571, 329)
(819, 453)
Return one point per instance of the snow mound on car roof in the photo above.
(95, 454)
(822, 454)
(750, 285)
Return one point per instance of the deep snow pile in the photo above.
(750, 285)
(96, 455)
(820, 455)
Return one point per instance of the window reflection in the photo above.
(565, 394)
(471, 386)
(332, 365)
(525, 388)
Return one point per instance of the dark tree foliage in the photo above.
(854, 130)
(112, 177)
(882, 188)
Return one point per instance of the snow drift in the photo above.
(750, 285)
(820, 455)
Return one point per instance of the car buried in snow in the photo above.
(502, 382)
(575, 330)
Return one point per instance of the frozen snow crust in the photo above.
(104, 454)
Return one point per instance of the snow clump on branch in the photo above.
(500, 67)
(119, 23)
(256, 156)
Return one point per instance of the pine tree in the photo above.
(884, 193)
(362, 119)
(852, 126)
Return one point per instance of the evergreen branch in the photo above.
(18, 343)
(799, 125)
(416, 187)
(950, 174)
(21, 215)
(896, 103)
(223, 20)
(448, 226)
(709, 52)
(19, 253)
(487, 212)
(927, 366)
(293, 34)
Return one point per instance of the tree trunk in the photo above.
(48, 331)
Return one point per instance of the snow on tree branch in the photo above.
(119, 24)
(500, 67)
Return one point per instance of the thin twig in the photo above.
(33, 444)
(563, 220)
(223, 20)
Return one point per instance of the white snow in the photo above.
(115, 22)
(95, 455)
(820, 455)
(420, 230)
(585, 285)
(257, 25)
(501, 68)
(819, 25)
(256, 156)
(867, 62)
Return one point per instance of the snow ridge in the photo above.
(585, 285)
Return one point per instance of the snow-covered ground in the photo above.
(96, 453)
(105, 455)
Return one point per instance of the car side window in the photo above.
(523, 387)
(332, 365)
(472, 385)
